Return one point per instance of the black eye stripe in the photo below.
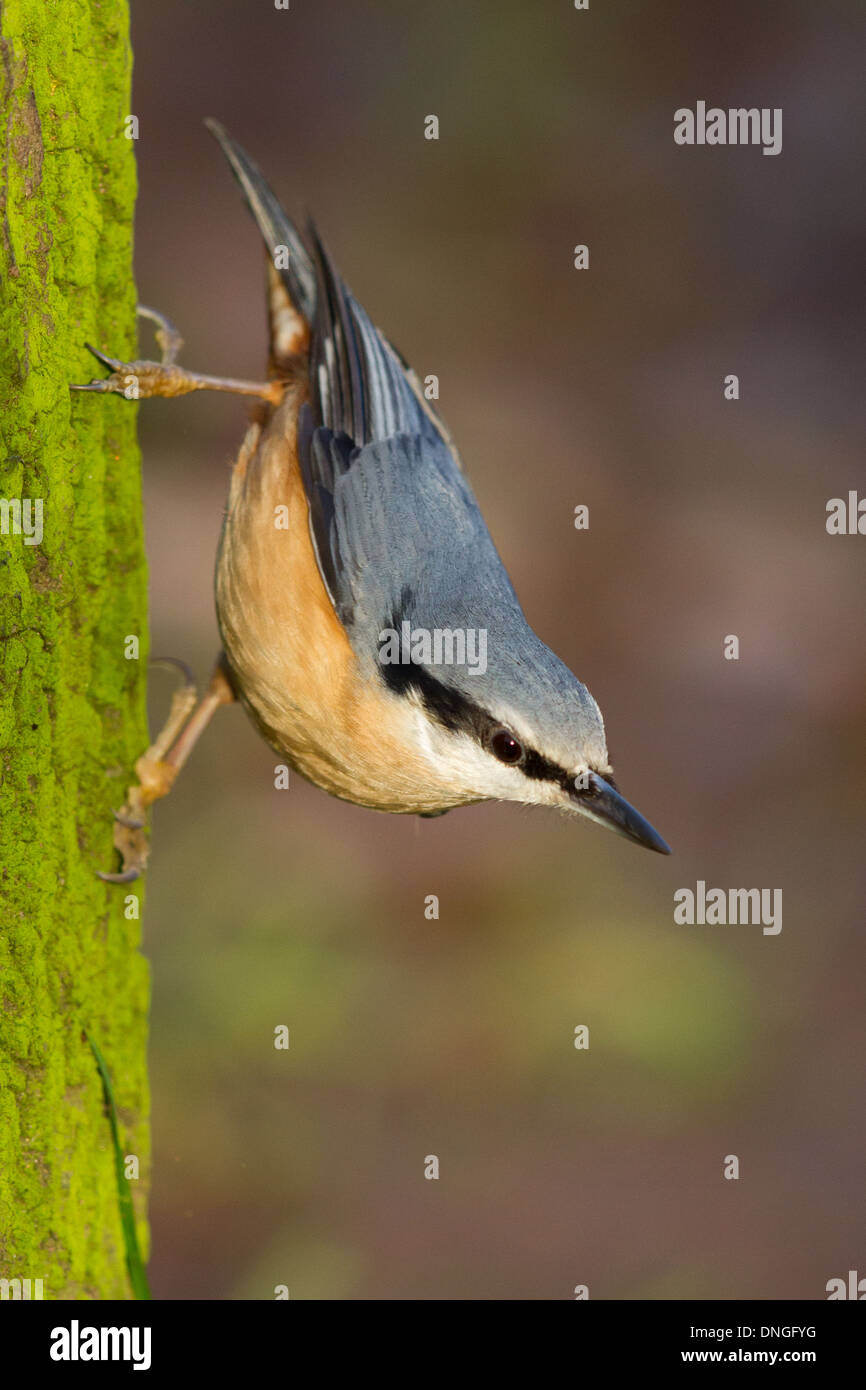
(458, 714)
(542, 769)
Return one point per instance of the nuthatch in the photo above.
(368, 624)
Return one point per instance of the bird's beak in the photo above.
(603, 803)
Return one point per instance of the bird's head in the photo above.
(512, 723)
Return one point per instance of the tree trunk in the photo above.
(72, 713)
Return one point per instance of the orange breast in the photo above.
(293, 664)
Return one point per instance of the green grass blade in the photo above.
(134, 1262)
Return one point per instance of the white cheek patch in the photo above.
(455, 758)
(423, 732)
(467, 767)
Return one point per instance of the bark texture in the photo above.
(72, 715)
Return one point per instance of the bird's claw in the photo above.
(127, 876)
(135, 380)
(130, 837)
(140, 379)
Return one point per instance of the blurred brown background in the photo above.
(411, 1037)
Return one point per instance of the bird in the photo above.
(368, 624)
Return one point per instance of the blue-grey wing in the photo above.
(401, 540)
(359, 384)
(396, 527)
(399, 536)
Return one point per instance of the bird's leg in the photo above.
(140, 379)
(157, 768)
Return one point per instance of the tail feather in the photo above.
(299, 276)
(360, 385)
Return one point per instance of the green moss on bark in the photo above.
(72, 716)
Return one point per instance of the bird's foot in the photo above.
(141, 379)
(157, 769)
(156, 776)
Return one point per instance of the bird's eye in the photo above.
(505, 747)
